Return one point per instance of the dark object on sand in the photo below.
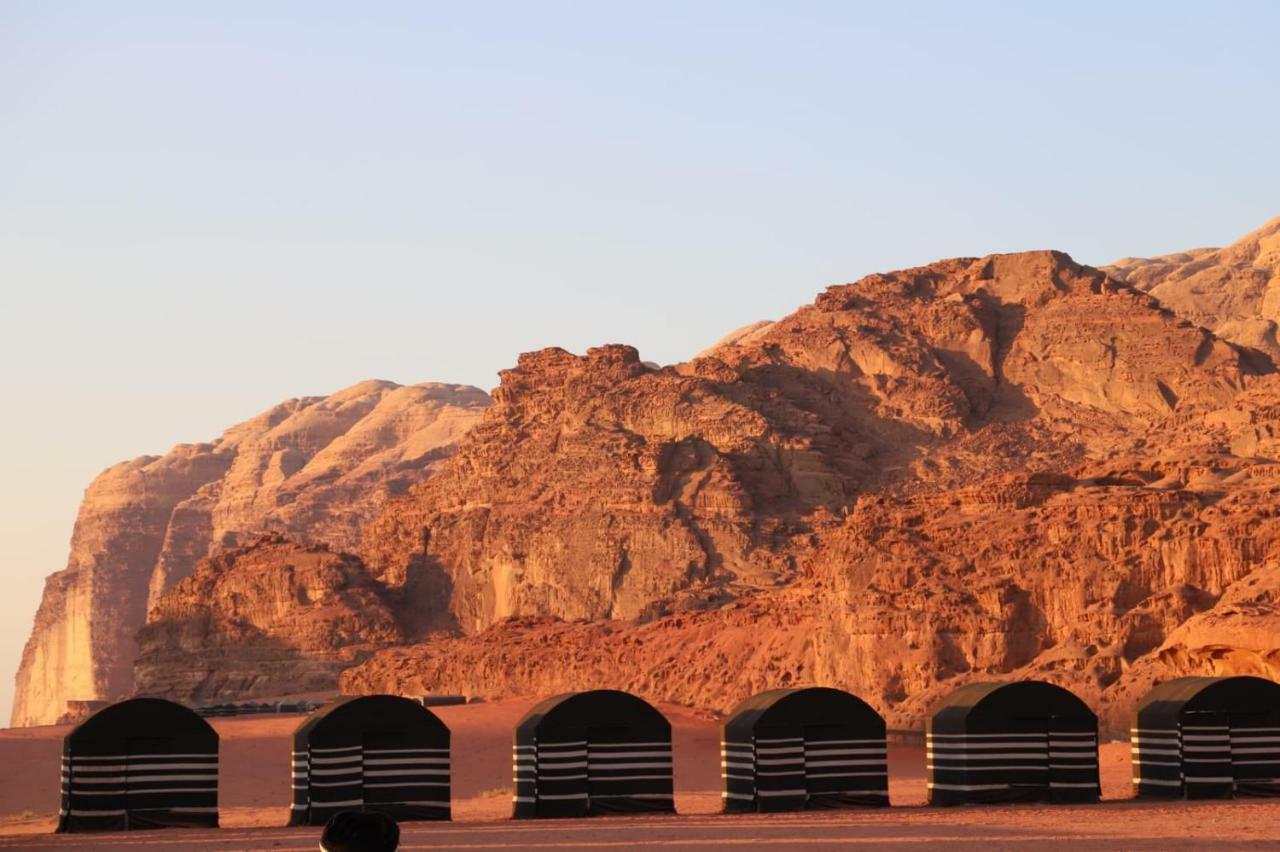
(353, 831)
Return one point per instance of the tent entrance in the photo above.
(843, 767)
(336, 776)
(1255, 754)
(1206, 755)
(1073, 763)
(780, 768)
(626, 770)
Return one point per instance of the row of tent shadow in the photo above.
(147, 762)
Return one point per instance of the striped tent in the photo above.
(1208, 737)
(370, 753)
(791, 749)
(141, 763)
(1008, 742)
(592, 753)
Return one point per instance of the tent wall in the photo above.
(372, 753)
(1009, 742)
(142, 763)
(1208, 737)
(592, 753)
(791, 749)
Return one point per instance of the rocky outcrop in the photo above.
(314, 468)
(597, 487)
(267, 619)
(1098, 584)
(1234, 290)
(1011, 465)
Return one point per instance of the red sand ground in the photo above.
(254, 797)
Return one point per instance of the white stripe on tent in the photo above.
(845, 775)
(406, 784)
(562, 796)
(633, 796)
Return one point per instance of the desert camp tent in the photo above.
(1005, 742)
(1208, 737)
(141, 763)
(791, 749)
(592, 753)
(372, 753)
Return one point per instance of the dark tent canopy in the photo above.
(141, 763)
(791, 749)
(370, 753)
(1006, 742)
(1208, 737)
(592, 753)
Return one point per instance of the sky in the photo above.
(208, 208)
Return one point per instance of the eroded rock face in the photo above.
(1234, 290)
(315, 468)
(597, 487)
(980, 468)
(266, 619)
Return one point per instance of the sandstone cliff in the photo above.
(314, 468)
(1005, 466)
(262, 620)
(968, 470)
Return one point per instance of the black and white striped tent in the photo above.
(1208, 737)
(370, 753)
(592, 753)
(791, 749)
(141, 763)
(1007, 742)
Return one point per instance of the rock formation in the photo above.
(981, 468)
(1234, 290)
(314, 468)
(268, 615)
(1013, 465)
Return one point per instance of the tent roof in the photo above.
(591, 708)
(141, 718)
(368, 714)
(991, 704)
(814, 705)
(1164, 704)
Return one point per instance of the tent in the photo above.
(141, 763)
(1208, 737)
(592, 753)
(791, 749)
(1006, 742)
(370, 753)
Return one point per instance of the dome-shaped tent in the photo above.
(1019, 741)
(140, 763)
(372, 752)
(1208, 737)
(791, 749)
(591, 753)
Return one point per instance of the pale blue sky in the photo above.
(205, 212)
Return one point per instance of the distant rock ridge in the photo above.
(314, 468)
(1234, 290)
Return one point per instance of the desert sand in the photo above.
(255, 794)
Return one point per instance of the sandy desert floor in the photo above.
(254, 795)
